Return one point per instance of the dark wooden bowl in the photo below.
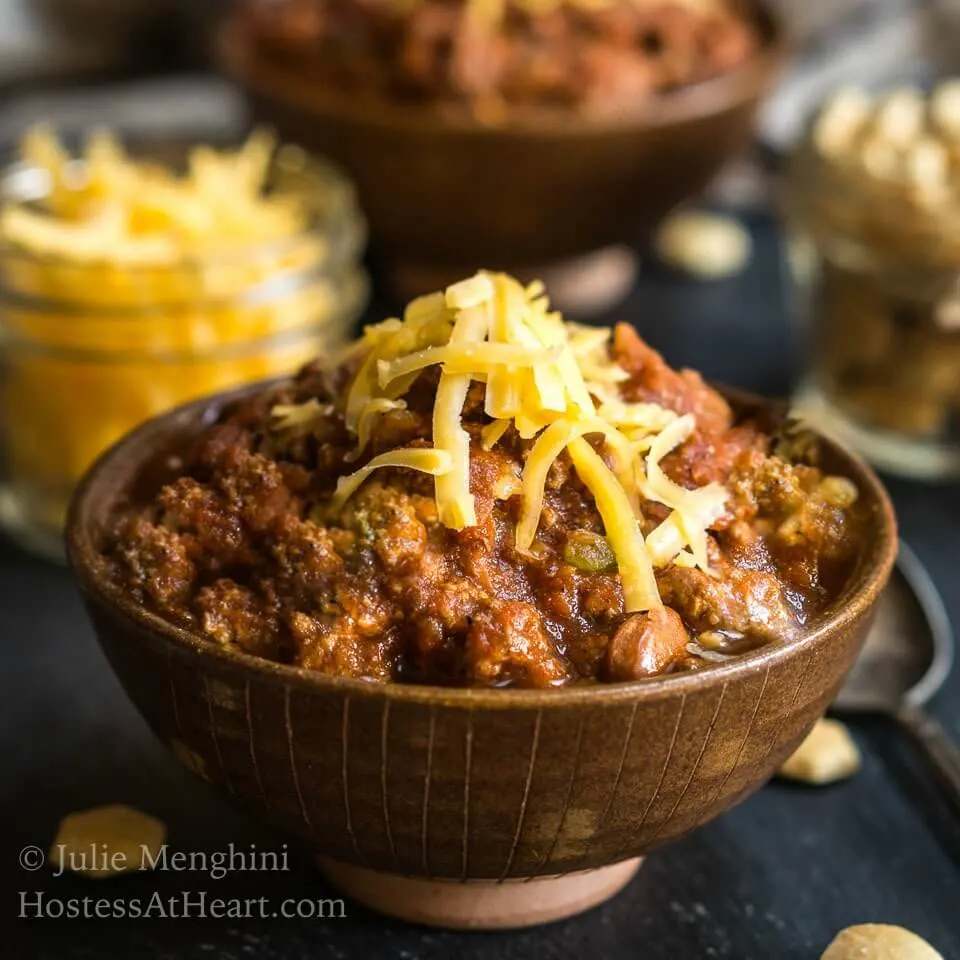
(452, 784)
(440, 189)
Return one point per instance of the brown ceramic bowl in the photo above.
(402, 789)
(442, 191)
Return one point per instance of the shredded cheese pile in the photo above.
(105, 206)
(553, 383)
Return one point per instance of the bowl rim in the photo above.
(858, 596)
(674, 107)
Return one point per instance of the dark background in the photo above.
(774, 879)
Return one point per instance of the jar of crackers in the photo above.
(133, 281)
(873, 198)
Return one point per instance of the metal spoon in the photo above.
(907, 656)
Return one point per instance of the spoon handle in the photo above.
(941, 752)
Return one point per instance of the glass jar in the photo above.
(877, 263)
(89, 350)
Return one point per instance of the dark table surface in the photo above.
(774, 878)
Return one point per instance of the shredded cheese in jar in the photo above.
(128, 286)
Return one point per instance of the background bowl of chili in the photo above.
(542, 801)
(442, 189)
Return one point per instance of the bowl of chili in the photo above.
(508, 167)
(482, 698)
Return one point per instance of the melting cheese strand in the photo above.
(598, 373)
(668, 540)
(549, 445)
(695, 536)
(666, 442)
(622, 529)
(587, 341)
(530, 424)
(428, 308)
(456, 509)
(372, 411)
(490, 435)
(604, 392)
(693, 510)
(376, 333)
(426, 323)
(362, 387)
(289, 416)
(436, 462)
(505, 389)
(476, 357)
(550, 387)
(550, 331)
(589, 347)
(625, 464)
(386, 345)
(504, 394)
(455, 503)
(548, 378)
(650, 416)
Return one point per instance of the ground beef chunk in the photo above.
(507, 645)
(157, 565)
(341, 647)
(223, 440)
(804, 517)
(388, 519)
(306, 558)
(255, 486)
(730, 598)
(231, 614)
(209, 526)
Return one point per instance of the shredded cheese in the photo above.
(372, 409)
(622, 528)
(428, 307)
(472, 358)
(289, 416)
(589, 347)
(549, 445)
(650, 417)
(435, 462)
(554, 384)
(693, 510)
(455, 504)
(490, 435)
(426, 323)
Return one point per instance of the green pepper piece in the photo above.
(589, 552)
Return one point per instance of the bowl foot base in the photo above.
(583, 286)
(481, 904)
